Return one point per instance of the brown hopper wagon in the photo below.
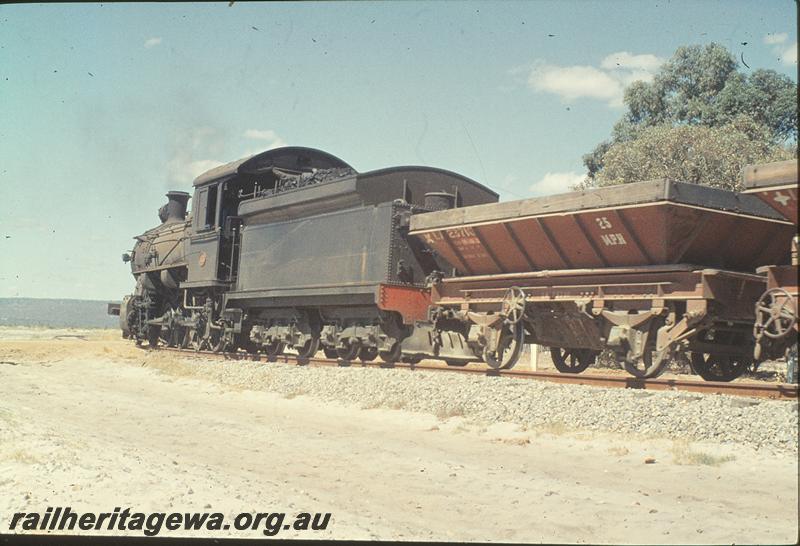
(642, 269)
(776, 327)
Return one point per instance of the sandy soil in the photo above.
(84, 423)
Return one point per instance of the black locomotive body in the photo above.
(292, 248)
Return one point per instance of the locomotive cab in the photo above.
(212, 255)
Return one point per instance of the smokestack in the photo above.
(175, 209)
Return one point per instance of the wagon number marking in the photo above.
(609, 239)
(603, 222)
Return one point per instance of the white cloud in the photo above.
(622, 60)
(606, 82)
(772, 39)
(193, 153)
(574, 82)
(557, 182)
(268, 135)
(789, 55)
(152, 42)
(786, 54)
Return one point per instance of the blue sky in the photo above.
(105, 107)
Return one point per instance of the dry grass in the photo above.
(556, 428)
(446, 412)
(683, 454)
(619, 451)
(21, 456)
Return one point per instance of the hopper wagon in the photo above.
(642, 269)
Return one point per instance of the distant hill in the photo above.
(56, 313)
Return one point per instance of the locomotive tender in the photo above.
(292, 248)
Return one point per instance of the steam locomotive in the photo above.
(292, 248)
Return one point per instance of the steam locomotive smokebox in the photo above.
(439, 201)
(657, 222)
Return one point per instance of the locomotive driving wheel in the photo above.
(572, 360)
(509, 347)
(153, 336)
(193, 339)
(216, 340)
(715, 367)
(776, 314)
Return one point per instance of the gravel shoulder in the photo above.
(94, 423)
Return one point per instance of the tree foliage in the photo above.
(700, 119)
(713, 156)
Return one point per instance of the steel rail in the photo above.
(775, 391)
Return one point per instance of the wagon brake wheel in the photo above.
(714, 367)
(774, 318)
(513, 306)
(508, 349)
(572, 360)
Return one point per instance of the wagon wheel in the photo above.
(715, 367)
(776, 314)
(368, 354)
(274, 349)
(392, 355)
(572, 360)
(652, 362)
(513, 306)
(309, 348)
(348, 350)
(330, 353)
(508, 349)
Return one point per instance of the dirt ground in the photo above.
(83, 423)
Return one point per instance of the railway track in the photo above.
(775, 391)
